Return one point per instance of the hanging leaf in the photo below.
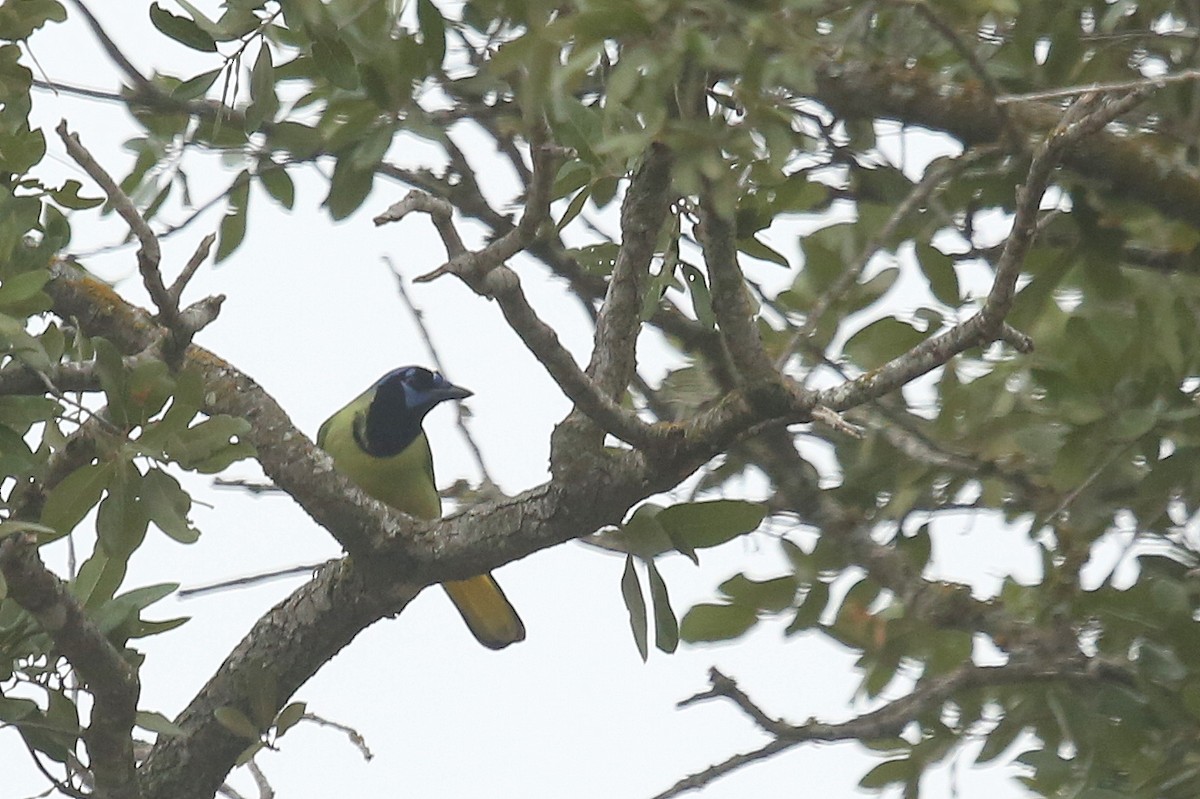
(635, 603)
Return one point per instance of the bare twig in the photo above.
(354, 735)
(140, 82)
(1140, 84)
(440, 212)
(833, 420)
(968, 54)
(265, 791)
(890, 719)
(189, 269)
(149, 253)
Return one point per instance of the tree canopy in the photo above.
(893, 341)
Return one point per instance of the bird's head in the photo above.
(399, 403)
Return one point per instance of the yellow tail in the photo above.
(489, 615)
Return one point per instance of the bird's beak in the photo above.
(453, 392)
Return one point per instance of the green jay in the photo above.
(378, 443)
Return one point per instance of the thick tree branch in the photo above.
(643, 212)
(1130, 164)
(103, 670)
(736, 319)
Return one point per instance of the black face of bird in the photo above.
(402, 398)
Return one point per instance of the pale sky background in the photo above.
(312, 315)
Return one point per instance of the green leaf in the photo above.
(121, 520)
(881, 341)
(348, 188)
(68, 196)
(716, 622)
(699, 525)
(70, 500)
(13, 711)
(98, 579)
(168, 505)
(232, 229)
(809, 613)
(773, 596)
(157, 723)
(573, 208)
(756, 249)
(335, 61)
(196, 87)
(701, 296)
(278, 183)
(635, 603)
(211, 445)
(18, 20)
(890, 772)
(236, 722)
(939, 271)
(113, 379)
(144, 597)
(21, 345)
(20, 288)
(666, 627)
(433, 32)
(289, 717)
(13, 526)
(263, 100)
(182, 29)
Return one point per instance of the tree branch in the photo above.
(103, 670)
(643, 212)
(891, 719)
(1132, 165)
(1085, 118)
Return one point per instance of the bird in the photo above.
(377, 441)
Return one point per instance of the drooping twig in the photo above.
(139, 81)
(460, 416)
(354, 735)
(968, 54)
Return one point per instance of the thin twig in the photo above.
(1139, 84)
(354, 735)
(149, 254)
(933, 179)
(947, 32)
(189, 269)
(460, 415)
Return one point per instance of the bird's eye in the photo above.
(422, 379)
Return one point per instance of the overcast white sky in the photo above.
(313, 316)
